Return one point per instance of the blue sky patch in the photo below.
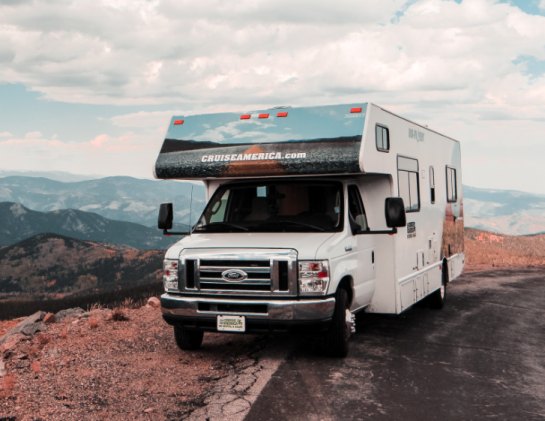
(529, 6)
(23, 111)
(533, 67)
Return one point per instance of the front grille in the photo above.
(257, 272)
(258, 275)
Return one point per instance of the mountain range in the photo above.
(51, 272)
(504, 211)
(118, 198)
(127, 199)
(18, 223)
(62, 240)
(53, 264)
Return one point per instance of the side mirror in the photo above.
(395, 212)
(164, 221)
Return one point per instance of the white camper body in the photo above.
(298, 231)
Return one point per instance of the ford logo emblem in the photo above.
(233, 275)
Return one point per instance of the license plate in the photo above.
(231, 323)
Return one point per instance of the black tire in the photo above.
(437, 298)
(188, 339)
(340, 330)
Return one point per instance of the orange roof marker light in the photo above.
(356, 110)
(245, 116)
(178, 122)
(282, 114)
(264, 115)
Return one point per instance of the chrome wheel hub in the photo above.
(350, 319)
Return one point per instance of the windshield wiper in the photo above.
(212, 225)
(289, 221)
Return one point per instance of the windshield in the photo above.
(276, 206)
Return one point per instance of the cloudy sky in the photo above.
(88, 86)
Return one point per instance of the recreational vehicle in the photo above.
(313, 214)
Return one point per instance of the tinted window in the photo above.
(452, 186)
(355, 208)
(382, 135)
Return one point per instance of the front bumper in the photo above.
(261, 315)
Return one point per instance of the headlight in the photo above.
(170, 275)
(313, 277)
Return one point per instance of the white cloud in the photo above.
(454, 66)
(128, 154)
(267, 53)
(144, 119)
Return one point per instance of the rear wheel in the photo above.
(188, 339)
(341, 328)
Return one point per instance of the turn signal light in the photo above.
(313, 277)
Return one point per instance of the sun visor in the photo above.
(275, 142)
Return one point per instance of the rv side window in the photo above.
(432, 185)
(452, 187)
(409, 190)
(382, 135)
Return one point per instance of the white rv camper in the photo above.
(313, 214)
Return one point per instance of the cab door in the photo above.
(363, 245)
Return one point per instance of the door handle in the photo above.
(347, 248)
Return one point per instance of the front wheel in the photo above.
(188, 339)
(341, 328)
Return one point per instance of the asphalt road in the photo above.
(480, 357)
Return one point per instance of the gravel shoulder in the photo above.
(95, 366)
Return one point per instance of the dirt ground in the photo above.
(95, 367)
(486, 251)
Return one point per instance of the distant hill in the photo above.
(136, 200)
(53, 264)
(486, 250)
(504, 211)
(118, 198)
(53, 175)
(17, 223)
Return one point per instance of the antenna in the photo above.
(190, 208)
